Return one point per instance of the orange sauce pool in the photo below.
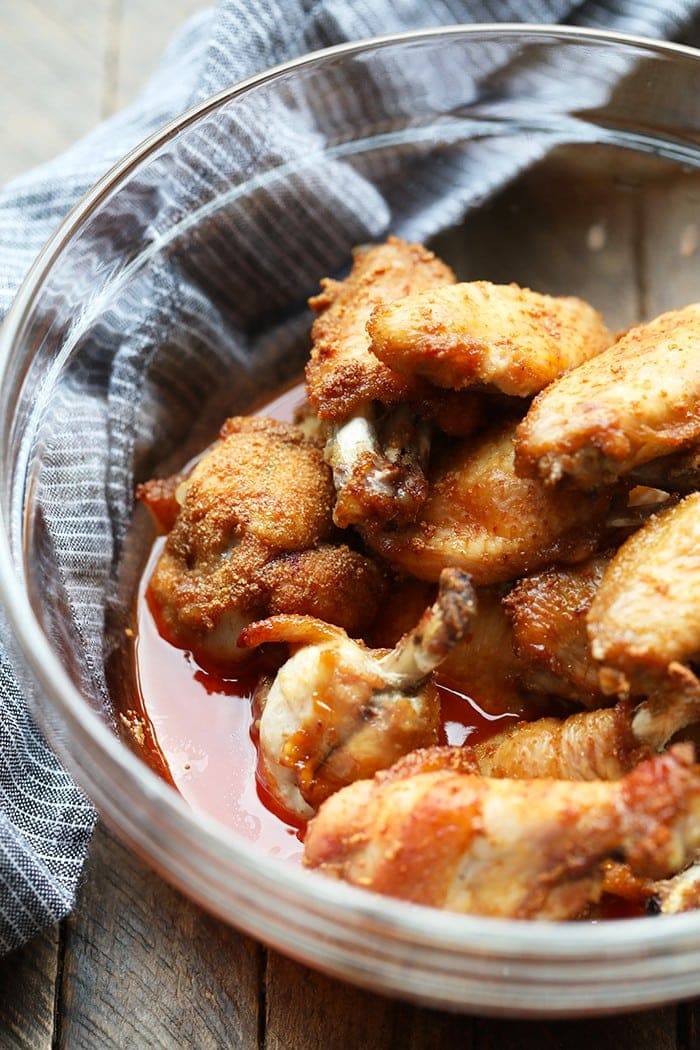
(199, 727)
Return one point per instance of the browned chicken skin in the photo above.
(342, 375)
(480, 517)
(548, 612)
(337, 711)
(646, 613)
(518, 848)
(483, 334)
(242, 545)
(633, 403)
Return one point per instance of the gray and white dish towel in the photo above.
(45, 821)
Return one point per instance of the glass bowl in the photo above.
(174, 294)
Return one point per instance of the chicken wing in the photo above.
(342, 375)
(481, 517)
(377, 463)
(646, 613)
(636, 401)
(337, 712)
(519, 848)
(483, 334)
(240, 538)
(548, 612)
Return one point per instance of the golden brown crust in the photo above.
(481, 517)
(159, 495)
(548, 611)
(519, 848)
(646, 614)
(252, 538)
(342, 374)
(636, 401)
(331, 583)
(483, 334)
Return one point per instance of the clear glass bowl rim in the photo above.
(128, 781)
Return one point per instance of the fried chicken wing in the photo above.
(483, 334)
(481, 517)
(241, 538)
(337, 711)
(377, 464)
(519, 848)
(646, 613)
(636, 401)
(342, 375)
(548, 613)
(677, 894)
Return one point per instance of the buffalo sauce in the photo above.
(198, 729)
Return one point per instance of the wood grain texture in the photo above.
(28, 986)
(144, 966)
(308, 1011)
(655, 1030)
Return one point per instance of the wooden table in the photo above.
(138, 965)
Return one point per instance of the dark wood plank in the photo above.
(146, 967)
(655, 1030)
(28, 979)
(309, 1011)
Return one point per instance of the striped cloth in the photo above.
(45, 822)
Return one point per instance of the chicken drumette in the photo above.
(377, 446)
(519, 848)
(481, 517)
(481, 334)
(338, 711)
(243, 545)
(635, 402)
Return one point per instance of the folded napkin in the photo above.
(45, 822)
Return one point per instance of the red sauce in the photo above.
(200, 730)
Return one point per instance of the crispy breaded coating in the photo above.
(521, 848)
(332, 583)
(646, 613)
(483, 334)
(548, 613)
(262, 495)
(481, 517)
(636, 401)
(342, 374)
(160, 496)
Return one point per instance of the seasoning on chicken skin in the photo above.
(337, 711)
(520, 848)
(377, 462)
(483, 334)
(646, 613)
(229, 557)
(482, 518)
(342, 374)
(604, 744)
(548, 613)
(634, 402)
